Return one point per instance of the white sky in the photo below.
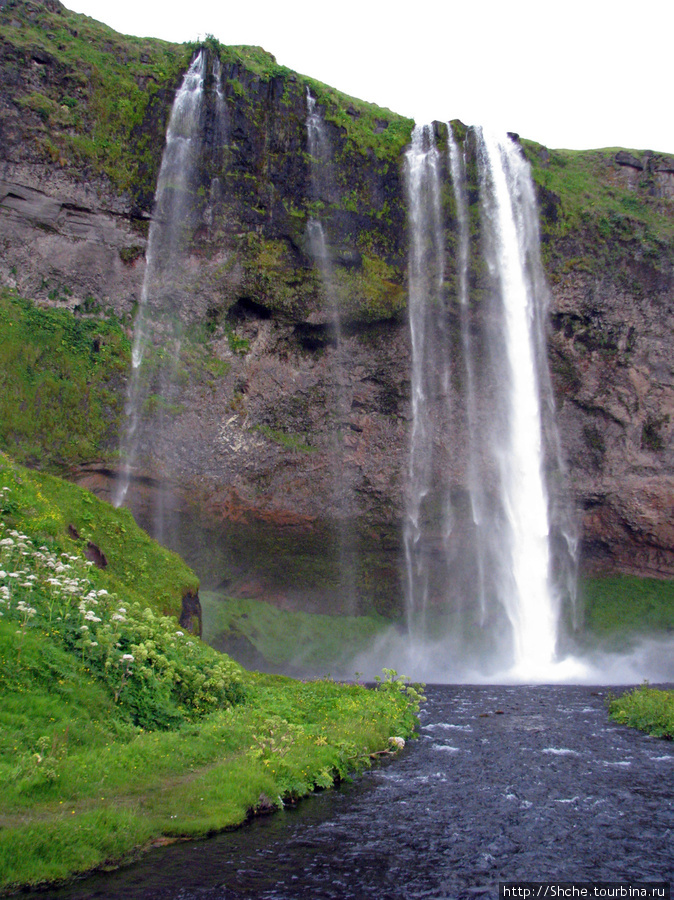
(567, 73)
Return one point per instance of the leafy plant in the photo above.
(647, 709)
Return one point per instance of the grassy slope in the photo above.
(101, 112)
(60, 378)
(48, 506)
(599, 224)
(107, 109)
(115, 727)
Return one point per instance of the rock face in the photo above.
(285, 460)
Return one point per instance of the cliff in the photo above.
(287, 452)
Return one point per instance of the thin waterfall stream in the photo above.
(342, 488)
(159, 303)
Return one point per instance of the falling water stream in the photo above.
(482, 580)
(173, 210)
(503, 784)
(320, 154)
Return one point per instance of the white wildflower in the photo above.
(128, 657)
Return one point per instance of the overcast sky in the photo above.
(573, 73)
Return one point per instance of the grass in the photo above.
(105, 108)
(47, 506)
(67, 370)
(83, 788)
(619, 606)
(302, 640)
(116, 727)
(608, 222)
(646, 708)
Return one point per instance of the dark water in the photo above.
(504, 783)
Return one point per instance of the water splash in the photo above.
(171, 226)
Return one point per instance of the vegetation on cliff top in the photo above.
(93, 97)
(117, 727)
(106, 99)
(598, 212)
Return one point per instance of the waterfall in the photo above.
(457, 166)
(342, 483)
(485, 581)
(159, 309)
(426, 276)
(527, 595)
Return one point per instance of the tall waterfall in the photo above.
(425, 285)
(509, 212)
(159, 309)
(490, 557)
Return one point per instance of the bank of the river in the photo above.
(120, 729)
(646, 708)
(113, 795)
(500, 779)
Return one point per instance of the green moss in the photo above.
(272, 277)
(298, 442)
(651, 433)
(371, 292)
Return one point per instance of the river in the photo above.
(505, 783)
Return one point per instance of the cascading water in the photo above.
(169, 230)
(527, 595)
(425, 285)
(457, 165)
(320, 156)
(489, 562)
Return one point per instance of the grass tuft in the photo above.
(646, 708)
